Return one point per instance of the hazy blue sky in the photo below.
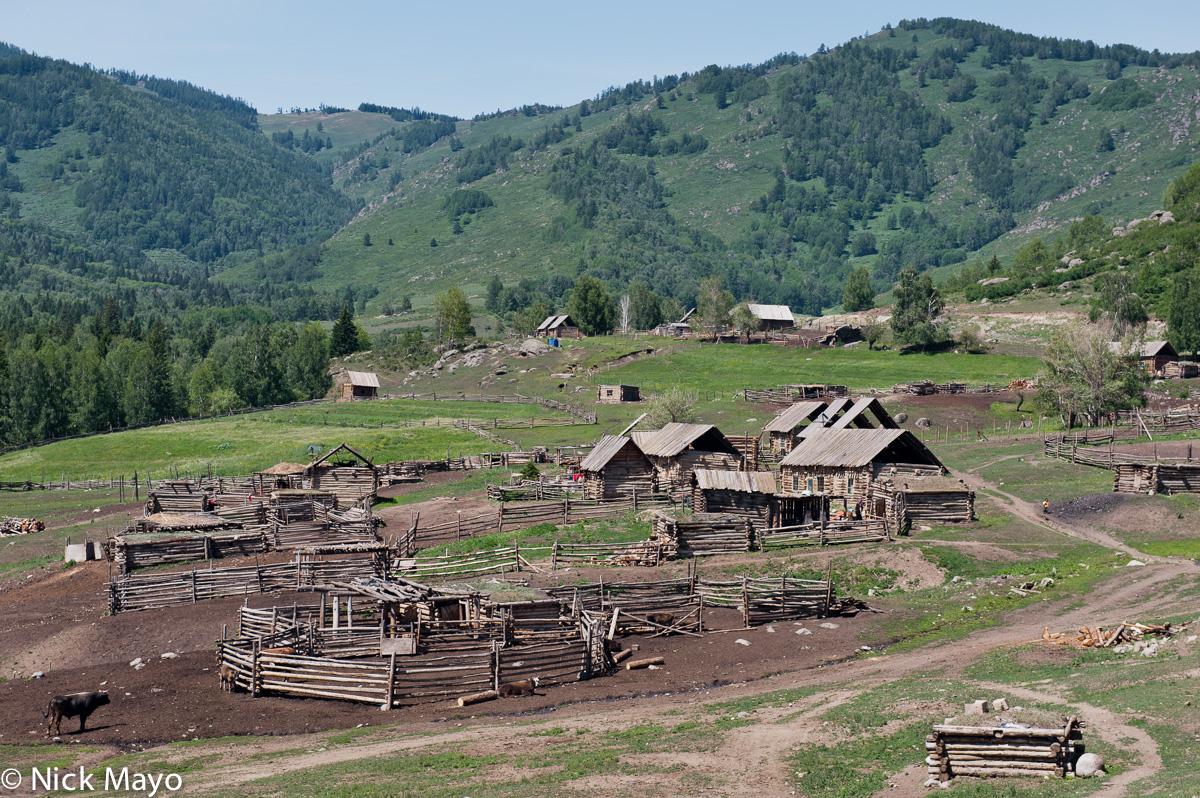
(463, 57)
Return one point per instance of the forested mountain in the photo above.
(157, 234)
(932, 143)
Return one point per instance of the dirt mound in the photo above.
(1088, 505)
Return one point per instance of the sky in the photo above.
(464, 57)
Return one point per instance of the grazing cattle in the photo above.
(228, 677)
(68, 706)
(523, 687)
(661, 618)
(280, 650)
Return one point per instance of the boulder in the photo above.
(976, 708)
(532, 347)
(1089, 765)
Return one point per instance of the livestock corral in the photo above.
(623, 580)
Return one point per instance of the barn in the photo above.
(615, 394)
(749, 494)
(884, 469)
(772, 317)
(677, 450)
(558, 327)
(616, 468)
(1154, 355)
(351, 477)
(359, 385)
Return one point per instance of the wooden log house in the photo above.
(747, 494)
(784, 430)
(881, 468)
(617, 394)
(359, 385)
(617, 468)
(558, 327)
(677, 450)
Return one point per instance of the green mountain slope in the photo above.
(934, 143)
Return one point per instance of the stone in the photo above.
(135, 663)
(803, 631)
(1134, 562)
(1000, 705)
(1075, 262)
(1124, 648)
(976, 708)
(1045, 583)
(532, 347)
(930, 783)
(170, 655)
(741, 641)
(37, 675)
(1150, 650)
(1089, 765)
(829, 625)
(770, 630)
(1166, 218)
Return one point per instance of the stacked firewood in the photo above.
(1011, 749)
(20, 526)
(1099, 637)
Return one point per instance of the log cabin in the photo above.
(359, 385)
(748, 494)
(677, 450)
(352, 479)
(616, 468)
(558, 327)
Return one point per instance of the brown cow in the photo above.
(523, 687)
(228, 677)
(280, 650)
(661, 618)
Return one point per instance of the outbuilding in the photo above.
(772, 317)
(677, 450)
(616, 468)
(616, 394)
(558, 327)
(749, 494)
(359, 385)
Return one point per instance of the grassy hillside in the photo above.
(1040, 113)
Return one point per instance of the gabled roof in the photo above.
(771, 312)
(741, 481)
(605, 450)
(674, 438)
(283, 469)
(1147, 349)
(828, 416)
(855, 448)
(856, 415)
(339, 448)
(363, 379)
(554, 322)
(794, 416)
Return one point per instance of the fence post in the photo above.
(391, 685)
(745, 604)
(495, 665)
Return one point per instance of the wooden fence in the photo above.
(783, 537)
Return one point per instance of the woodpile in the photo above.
(19, 526)
(704, 536)
(1010, 749)
(1099, 637)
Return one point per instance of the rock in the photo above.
(135, 663)
(1134, 562)
(864, 648)
(803, 631)
(742, 641)
(1089, 765)
(1064, 286)
(1045, 583)
(924, 423)
(1150, 650)
(771, 630)
(532, 347)
(976, 708)
(1124, 648)
(1075, 262)
(1000, 705)
(900, 418)
(1166, 218)
(170, 655)
(993, 281)
(930, 783)
(956, 580)
(828, 625)
(37, 675)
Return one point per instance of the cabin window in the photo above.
(850, 484)
(809, 482)
(820, 484)
(796, 482)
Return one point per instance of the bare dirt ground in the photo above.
(56, 623)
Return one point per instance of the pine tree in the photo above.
(858, 293)
(591, 307)
(344, 338)
(366, 239)
(917, 307)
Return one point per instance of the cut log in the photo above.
(621, 656)
(644, 663)
(477, 698)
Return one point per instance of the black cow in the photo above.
(68, 706)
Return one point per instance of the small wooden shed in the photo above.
(281, 476)
(616, 468)
(558, 327)
(1154, 355)
(677, 450)
(359, 385)
(615, 394)
(352, 477)
(749, 494)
